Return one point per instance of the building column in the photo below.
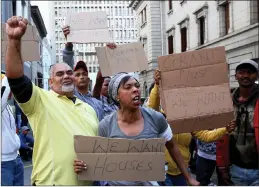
(221, 17)
(231, 17)
(206, 20)
(188, 34)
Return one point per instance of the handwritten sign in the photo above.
(87, 27)
(125, 58)
(121, 159)
(195, 90)
(30, 46)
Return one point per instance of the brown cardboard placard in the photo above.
(195, 90)
(121, 159)
(88, 27)
(124, 58)
(30, 47)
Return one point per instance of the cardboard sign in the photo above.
(125, 58)
(30, 46)
(87, 27)
(112, 159)
(195, 92)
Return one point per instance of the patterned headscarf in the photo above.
(114, 85)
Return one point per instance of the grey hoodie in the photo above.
(10, 140)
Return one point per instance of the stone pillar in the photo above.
(231, 17)
(206, 36)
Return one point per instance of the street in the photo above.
(28, 170)
(27, 173)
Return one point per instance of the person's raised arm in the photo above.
(68, 53)
(20, 85)
(98, 85)
(154, 98)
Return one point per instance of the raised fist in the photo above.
(16, 27)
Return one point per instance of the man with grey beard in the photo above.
(55, 116)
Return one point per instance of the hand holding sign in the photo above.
(111, 45)
(66, 30)
(231, 126)
(79, 166)
(157, 76)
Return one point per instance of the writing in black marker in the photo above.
(104, 165)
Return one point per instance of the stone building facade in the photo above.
(178, 26)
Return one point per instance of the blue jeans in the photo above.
(175, 180)
(12, 172)
(244, 177)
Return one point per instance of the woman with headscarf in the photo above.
(131, 121)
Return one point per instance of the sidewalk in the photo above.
(27, 172)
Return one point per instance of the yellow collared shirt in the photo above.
(55, 120)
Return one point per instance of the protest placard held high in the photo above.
(195, 90)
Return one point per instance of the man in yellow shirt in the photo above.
(55, 116)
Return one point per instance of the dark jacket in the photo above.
(26, 139)
(241, 147)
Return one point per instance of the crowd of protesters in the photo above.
(114, 110)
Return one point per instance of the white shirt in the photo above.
(10, 140)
